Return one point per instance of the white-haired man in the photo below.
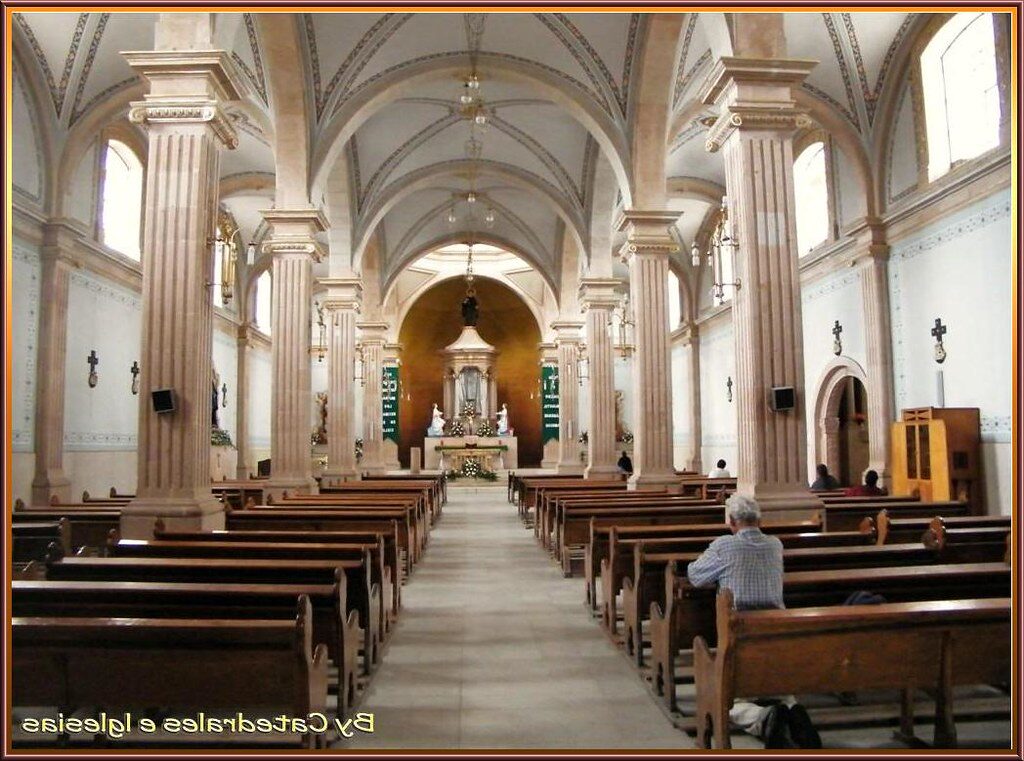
(749, 563)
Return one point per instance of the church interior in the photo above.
(386, 371)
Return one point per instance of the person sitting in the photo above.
(825, 480)
(719, 471)
(869, 488)
(749, 563)
(626, 464)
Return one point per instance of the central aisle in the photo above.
(494, 649)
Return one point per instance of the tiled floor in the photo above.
(495, 650)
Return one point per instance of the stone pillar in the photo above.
(693, 401)
(757, 118)
(293, 245)
(874, 283)
(567, 344)
(242, 413)
(49, 479)
(342, 307)
(372, 341)
(599, 298)
(646, 250)
(183, 113)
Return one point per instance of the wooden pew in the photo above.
(969, 544)
(438, 483)
(134, 664)
(422, 489)
(361, 596)
(90, 500)
(859, 647)
(847, 516)
(897, 529)
(533, 485)
(113, 493)
(331, 620)
(703, 487)
(89, 528)
(237, 494)
(381, 575)
(690, 611)
(31, 539)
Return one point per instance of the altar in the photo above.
(449, 452)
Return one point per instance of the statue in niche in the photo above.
(436, 423)
(215, 401)
(470, 309)
(320, 431)
(503, 420)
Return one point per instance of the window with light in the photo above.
(675, 310)
(810, 189)
(263, 294)
(961, 94)
(121, 222)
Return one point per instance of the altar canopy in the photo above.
(469, 376)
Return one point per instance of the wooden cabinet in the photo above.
(936, 454)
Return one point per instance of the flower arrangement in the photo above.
(220, 438)
(469, 409)
(359, 450)
(583, 438)
(457, 428)
(472, 468)
(626, 437)
(485, 428)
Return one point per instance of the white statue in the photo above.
(436, 423)
(503, 420)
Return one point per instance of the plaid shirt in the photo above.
(748, 562)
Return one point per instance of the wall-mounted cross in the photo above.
(93, 360)
(937, 333)
(135, 377)
(728, 388)
(837, 344)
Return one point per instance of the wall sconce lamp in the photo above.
(223, 394)
(321, 347)
(583, 365)
(721, 243)
(359, 370)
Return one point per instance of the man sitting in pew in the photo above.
(825, 481)
(719, 471)
(869, 488)
(749, 563)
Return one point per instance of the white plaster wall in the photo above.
(901, 172)
(851, 201)
(225, 361)
(835, 297)
(81, 194)
(623, 373)
(682, 424)
(718, 414)
(24, 338)
(26, 157)
(106, 318)
(959, 269)
(260, 381)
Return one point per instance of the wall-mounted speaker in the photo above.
(163, 400)
(783, 398)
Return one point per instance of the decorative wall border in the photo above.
(836, 281)
(996, 429)
(102, 287)
(23, 429)
(90, 441)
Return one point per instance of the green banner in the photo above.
(389, 403)
(549, 403)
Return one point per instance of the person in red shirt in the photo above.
(870, 487)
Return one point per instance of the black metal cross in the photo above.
(939, 330)
(93, 360)
(135, 370)
(837, 329)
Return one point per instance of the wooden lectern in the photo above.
(936, 455)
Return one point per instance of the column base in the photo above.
(337, 476)
(569, 469)
(276, 487)
(242, 472)
(694, 464)
(203, 513)
(667, 482)
(786, 504)
(53, 484)
(602, 473)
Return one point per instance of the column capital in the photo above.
(187, 87)
(342, 293)
(548, 353)
(647, 232)
(754, 93)
(567, 332)
(293, 232)
(599, 292)
(373, 332)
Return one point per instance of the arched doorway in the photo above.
(841, 422)
(507, 323)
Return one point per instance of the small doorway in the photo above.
(842, 434)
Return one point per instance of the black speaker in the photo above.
(163, 400)
(783, 398)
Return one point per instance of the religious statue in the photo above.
(470, 311)
(320, 431)
(620, 426)
(215, 401)
(503, 420)
(436, 423)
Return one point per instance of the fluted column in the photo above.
(757, 118)
(599, 298)
(878, 338)
(242, 411)
(567, 344)
(183, 113)
(372, 340)
(693, 400)
(342, 306)
(646, 250)
(294, 248)
(49, 479)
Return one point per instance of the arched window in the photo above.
(959, 83)
(121, 224)
(675, 310)
(810, 188)
(263, 293)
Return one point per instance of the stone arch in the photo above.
(408, 77)
(831, 387)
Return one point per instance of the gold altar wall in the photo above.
(433, 322)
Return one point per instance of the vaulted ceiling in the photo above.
(382, 96)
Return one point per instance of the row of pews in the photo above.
(288, 611)
(945, 576)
